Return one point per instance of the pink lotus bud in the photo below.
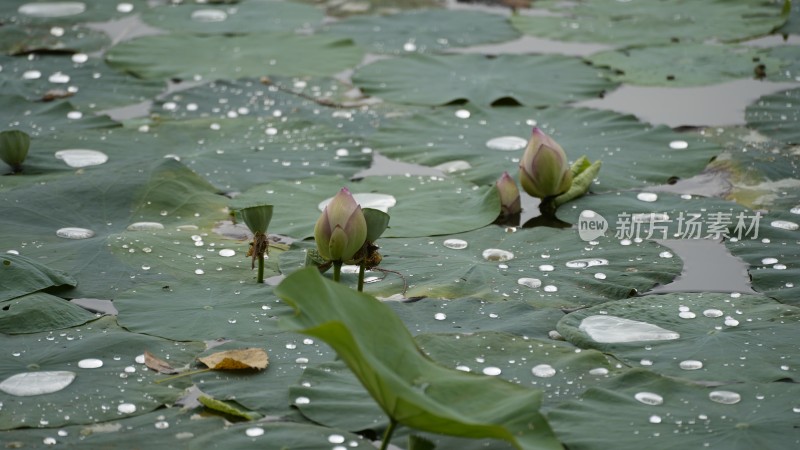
(509, 195)
(341, 229)
(544, 170)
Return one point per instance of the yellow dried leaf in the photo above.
(157, 364)
(244, 358)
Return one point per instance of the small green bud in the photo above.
(257, 218)
(14, 145)
(543, 170)
(341, 229)
(509, 195)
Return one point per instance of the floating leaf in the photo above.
(686, 64)
(424, 31)
(721, 338)
(185, 56)
(409, 387)
(227, 408)
(22, 275)
(481, 80)
(647, 23)
(776, 115)
(158, 364)
(245, 358)
(39, 311)
(689, 417)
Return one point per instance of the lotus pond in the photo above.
(660, 310)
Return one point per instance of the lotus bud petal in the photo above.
(341, 229)
(544, 170)
(257, 218)
(14, 145)
(509, 195)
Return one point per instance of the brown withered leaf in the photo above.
(243, 358)
(157, 364)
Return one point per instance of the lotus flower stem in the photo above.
(362, 268)
(260, 268)
(387, 435)
(337, 270)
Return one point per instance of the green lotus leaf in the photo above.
(713, 338)
(689, 417)
(775, 115)
(279, 434)
(492, 141)
(43, 119)
(247, 16)
(160, 429)
(377, 222)
(100, 340)
(187, 56)
(690, 64)
(481, 80)
(648, 23)
(89, 85)
(35, 312)
(424, 31)
(410, 388)
(22, 276)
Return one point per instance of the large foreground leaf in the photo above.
(408, 386)
(481, 80)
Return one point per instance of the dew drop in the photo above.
(550, 288)
(768, 261)
(507, 143)
(588, 262)
(145, 226)
(440, 316)
(655, 419)
(678, 145)
(410, 46)
(649, 398)
(36, 383)
(161, 425)
(199, 271)
(463, 114)
(342, 152)
(74, 233)
(495, 254)
(49, 441)
(665, 254)
(690, 364)
(302, 401)
(78, 158)
(530, 282)
(58, 78)
(453, 166)
(599, 371)
(336, 439)
(611, 329)
(647, 196)
(687, 315)
(126, 408)
(546, 268)
(600, 276)
(31, 75)
(209, 15)
(254, 431)
(724, 397)
(227, 252)
(543, 371)
(90, 363)
(712, 313)
(795, 210)
(52, 9)
(784, 225)
(74, 115)
(492, 371)
(455, 244)
(124, 7)
(731, 322)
